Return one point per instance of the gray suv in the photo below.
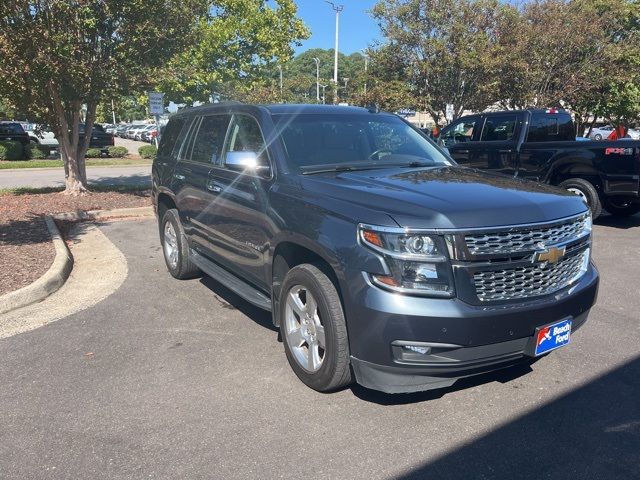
(382, 261)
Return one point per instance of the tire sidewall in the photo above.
(589, 191)
(320, 379)
(172, 217)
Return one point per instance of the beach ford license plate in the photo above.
(552, 336)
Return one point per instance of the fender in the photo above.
(577, 163)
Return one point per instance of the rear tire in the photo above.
(587, 191)
(313, 329)
(621, 208)
(597, 136)
(175, 246)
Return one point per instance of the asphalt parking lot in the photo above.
(182, 379)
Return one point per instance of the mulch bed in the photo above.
(26, 250)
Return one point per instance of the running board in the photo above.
(230, 281)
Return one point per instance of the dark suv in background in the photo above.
(381, 260)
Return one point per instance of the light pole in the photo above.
(280, 68)
(323, 87)
(346, 81)
(317, 60)
(366, 75)
(337, 9)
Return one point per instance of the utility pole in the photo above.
(317, 60)
(280, 68)
(337, 9)
(366, 75)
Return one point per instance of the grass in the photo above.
(92, 188)
(91, 162)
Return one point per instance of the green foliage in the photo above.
(148, 151)
(233, 47)
(58, 56)
(11, 150)
(93, 153)
(118, 152)
(34, 152)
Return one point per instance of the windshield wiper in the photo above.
(342, 168)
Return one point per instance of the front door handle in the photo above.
(460, 151)
(178, 176)
(212, 187)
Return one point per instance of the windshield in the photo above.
(318, 142)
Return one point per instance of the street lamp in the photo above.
(317, 60)
(346, 81)
(280, 69)
(337, 9)
(323, 87)
(366, 75)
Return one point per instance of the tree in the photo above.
(444, 49)
(60, 57)
(234, 48)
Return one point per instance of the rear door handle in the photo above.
(212, 187)
(179, 176)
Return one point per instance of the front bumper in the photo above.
(466, 339)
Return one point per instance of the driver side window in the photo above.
(245, 136)
(459, 132)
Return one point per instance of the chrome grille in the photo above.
(531, 280)
(525, 239)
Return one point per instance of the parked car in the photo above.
(121, 130)
(138, 134)
(540, 145)
(381, 260)
(149, 134)
(99, 138)
(600, 133)
(135, 129)
(41, 136)
(13, 131)
(110, 128)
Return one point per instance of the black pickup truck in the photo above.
(541, 145)
(100, 139)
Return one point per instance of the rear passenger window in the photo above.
(499, 128)
(170, 136)
(207, 147)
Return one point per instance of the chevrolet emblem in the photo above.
(550, 255)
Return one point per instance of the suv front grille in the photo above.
(524, 240)
(530, 281)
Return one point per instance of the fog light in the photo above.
(417, 349)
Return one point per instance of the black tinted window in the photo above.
(11, 128)
(170, 136)
(499, 128)
(209, 140)
(549, 128)
(459, 132)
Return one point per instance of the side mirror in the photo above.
(244, 162)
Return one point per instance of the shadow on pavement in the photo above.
(618, 222)
(591, 433)
(133, 179)
(234, 302)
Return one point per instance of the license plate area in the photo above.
(550, 337)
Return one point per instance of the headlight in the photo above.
(417, 262)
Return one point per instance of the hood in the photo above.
(446, 197)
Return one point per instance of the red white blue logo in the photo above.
(553, 336)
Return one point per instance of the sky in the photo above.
(357, 29)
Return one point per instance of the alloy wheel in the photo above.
(304, 330)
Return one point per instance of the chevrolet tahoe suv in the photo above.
(382, 261)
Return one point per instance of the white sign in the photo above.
(449, 112)
(156, 103)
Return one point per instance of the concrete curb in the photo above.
(48, 283)
(62, 265)
(137, 212)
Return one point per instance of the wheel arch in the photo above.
(288, 254)
(580, 166)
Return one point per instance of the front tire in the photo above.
(597, 136)
(313, 329)
(621, 207)
(175, 246)
(587, 192)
